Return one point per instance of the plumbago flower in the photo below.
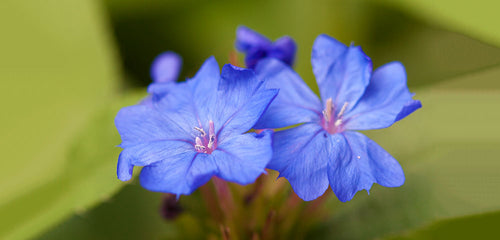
(325, 149)
(197, 131)
(257, 47)
(164, 72)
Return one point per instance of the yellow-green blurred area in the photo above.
(66, 67)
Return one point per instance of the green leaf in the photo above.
(430, 54)
(133, 213)
(483, 226)
(87, 178)
(449, 151)
(475, 18)
(57, 69)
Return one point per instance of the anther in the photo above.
(327, 113)
(201, 131)
(199, 145)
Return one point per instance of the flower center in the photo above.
(331, 123)
(206, 143)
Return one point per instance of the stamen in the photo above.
(342, 110)
(204, 143)
(198, 141)
(339, 116)
(327, 113)
(199, 145)
(201, 131)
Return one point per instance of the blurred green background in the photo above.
(66, 67)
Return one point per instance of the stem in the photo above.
(223, 192)
(211, 202)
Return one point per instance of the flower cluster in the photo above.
(185, 133)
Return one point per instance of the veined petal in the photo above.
(204, 91)
(295, 103)
(325, 52)
(178, 174)
(239, 84)
(385, 101)
(243, 158)
(146, 153)
(237, 87)
(166, 67)
(245, 118)
(361, 163)
(140, 123)
(206, 79)
(247, 39)
(178, 106)
(301, 155)
(284, 49)
(347, 79)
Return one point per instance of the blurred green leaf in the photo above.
(87, 178)
(431, 54)
(449, 151)
(133, 213)
(483, 226)
(475, 18)
(57, 68)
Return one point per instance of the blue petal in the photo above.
(254, 55)
(147, 101)
(301, 155)
(243, 158)
(295, 103)
(247, 39)
(124, 169)
(190, 102)
(206, 80)
(159, 90)
(204, 91)
(202, 84)
(178, 174)
(385, 101)
(361, 163)
(238, 84)
(245, 118)
(166, 67)
(325, 52)
(284, 49)
(237, 100)
(347, 79)
(410, 107)
(138, 124)
(146, 153)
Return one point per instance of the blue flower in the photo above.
(325, 150)
(197, 131)
(164, 72)
(257, 47)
